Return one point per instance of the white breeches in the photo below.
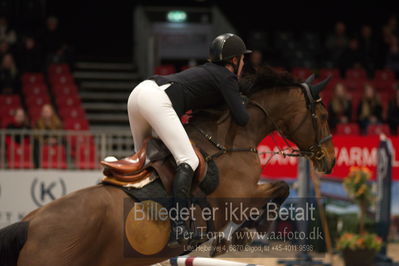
(150, 111)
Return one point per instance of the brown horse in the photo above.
(86, 227)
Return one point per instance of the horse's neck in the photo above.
(259, 126)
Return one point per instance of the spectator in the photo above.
(48, 119)
(55, 48)
(369, 110)
(20, 122)
(6, 33)
(254, 62)
(4, 49)
(8, 75)
(337, 42)
(368, 48)
(351, 57)
(392, 25)
(30, 57)
(392, 60)
(393, 113)
(340, 107)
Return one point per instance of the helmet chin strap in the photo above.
(236, 67)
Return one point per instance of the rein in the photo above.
(222, 149)
(313, 152)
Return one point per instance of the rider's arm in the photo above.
(231, 93)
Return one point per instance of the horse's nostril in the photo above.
(330, 168)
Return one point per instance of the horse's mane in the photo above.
(266, 78)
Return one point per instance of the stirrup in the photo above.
(176, 241)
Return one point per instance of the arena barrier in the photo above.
(201, 261)
(61, 149)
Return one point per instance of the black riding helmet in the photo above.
(226, 46)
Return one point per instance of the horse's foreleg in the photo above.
(238, 234)
(274, 193)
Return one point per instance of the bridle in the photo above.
(314, 152)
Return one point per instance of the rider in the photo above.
(158, 103)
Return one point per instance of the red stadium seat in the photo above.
(35, 89)
(165, 70)
(11, 100)
(86, 157)
(76, 141)
(62, 79)
(378, 129)
(34, 113)
(67, 101)
(385, 85)
(8, 110)
(76, 124)
(19, 155)
(355, 84)
(347, 129)
(301, 73)
(326, 96)
(32, 78)
(71, 112)
(356, 97)
(325, 72)
(385, 97)
(55, 69)
(6, 120)
(356, 73)
(37, 101)
(64, 90)
(384, 74)
(332, 83)
(53, 156)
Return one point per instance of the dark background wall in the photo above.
(97, 27)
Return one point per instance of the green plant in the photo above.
(358, 188)
(359, 241)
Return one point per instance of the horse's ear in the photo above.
(316, 89)
(310, 79)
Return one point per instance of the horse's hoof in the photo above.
(219, 247)
(243, 240)
(173, 244)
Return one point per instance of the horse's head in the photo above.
(299, 115)
(308, 127)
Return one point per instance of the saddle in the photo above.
(153, 155)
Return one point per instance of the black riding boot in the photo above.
(181, 193)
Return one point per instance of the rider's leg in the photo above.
(139, 127)
(157, 109)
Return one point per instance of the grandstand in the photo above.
(90, 96)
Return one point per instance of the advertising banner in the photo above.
(23, 191)
(349, 151)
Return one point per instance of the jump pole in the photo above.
(201, 261)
